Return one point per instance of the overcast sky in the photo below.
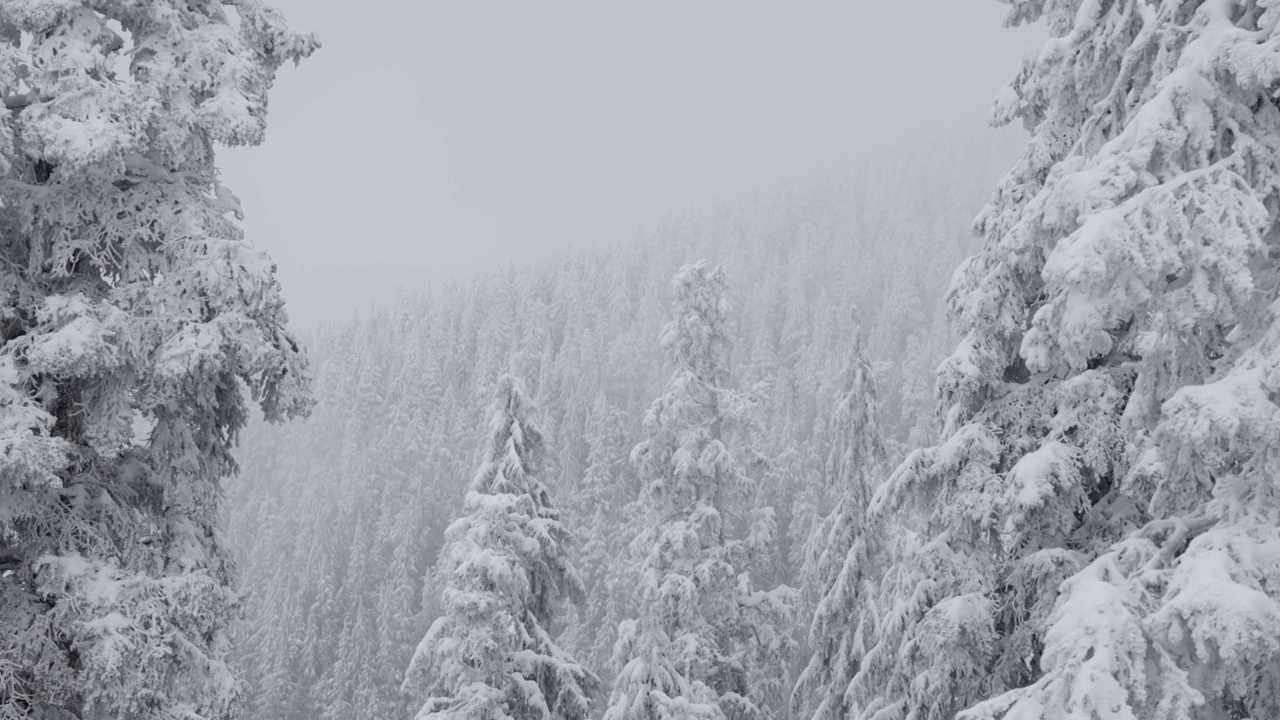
(429, 139)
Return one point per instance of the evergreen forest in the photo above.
(971, 427)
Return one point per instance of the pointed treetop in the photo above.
(513, 460)
(695, 339)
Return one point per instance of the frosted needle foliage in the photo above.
(491, 654)
(842, 560)
(135, 326)
(1101, 522)
(706, 643)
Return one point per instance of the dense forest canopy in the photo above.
(338, 518)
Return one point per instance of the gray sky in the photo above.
(428, 139)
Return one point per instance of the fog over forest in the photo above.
(648, 361)
(339, 518)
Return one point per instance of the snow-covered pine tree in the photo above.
(1110, 414)
(706, 639)
(491, 655)
(134, 318)
(839, 574)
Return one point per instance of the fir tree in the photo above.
(491, 655)
(704, 634)
(840, 572)
(133, 319)
(1101, 535)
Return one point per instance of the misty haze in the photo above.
(640, 360)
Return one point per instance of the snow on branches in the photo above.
(707, 644)
(134, 319)
(506, 576)
(1110, 417)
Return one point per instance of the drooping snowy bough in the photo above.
(134, 320)
(1100, 533)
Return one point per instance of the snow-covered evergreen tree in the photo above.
(706, 644)
(133, 319)
(1102, 535)
(491, 655)
(840, 576)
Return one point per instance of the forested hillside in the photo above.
(337, 519)
(742, 466)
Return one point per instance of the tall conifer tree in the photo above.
(1102, 521)
(491, 655)
(704, 634)
(133, 318)
(841, 555)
